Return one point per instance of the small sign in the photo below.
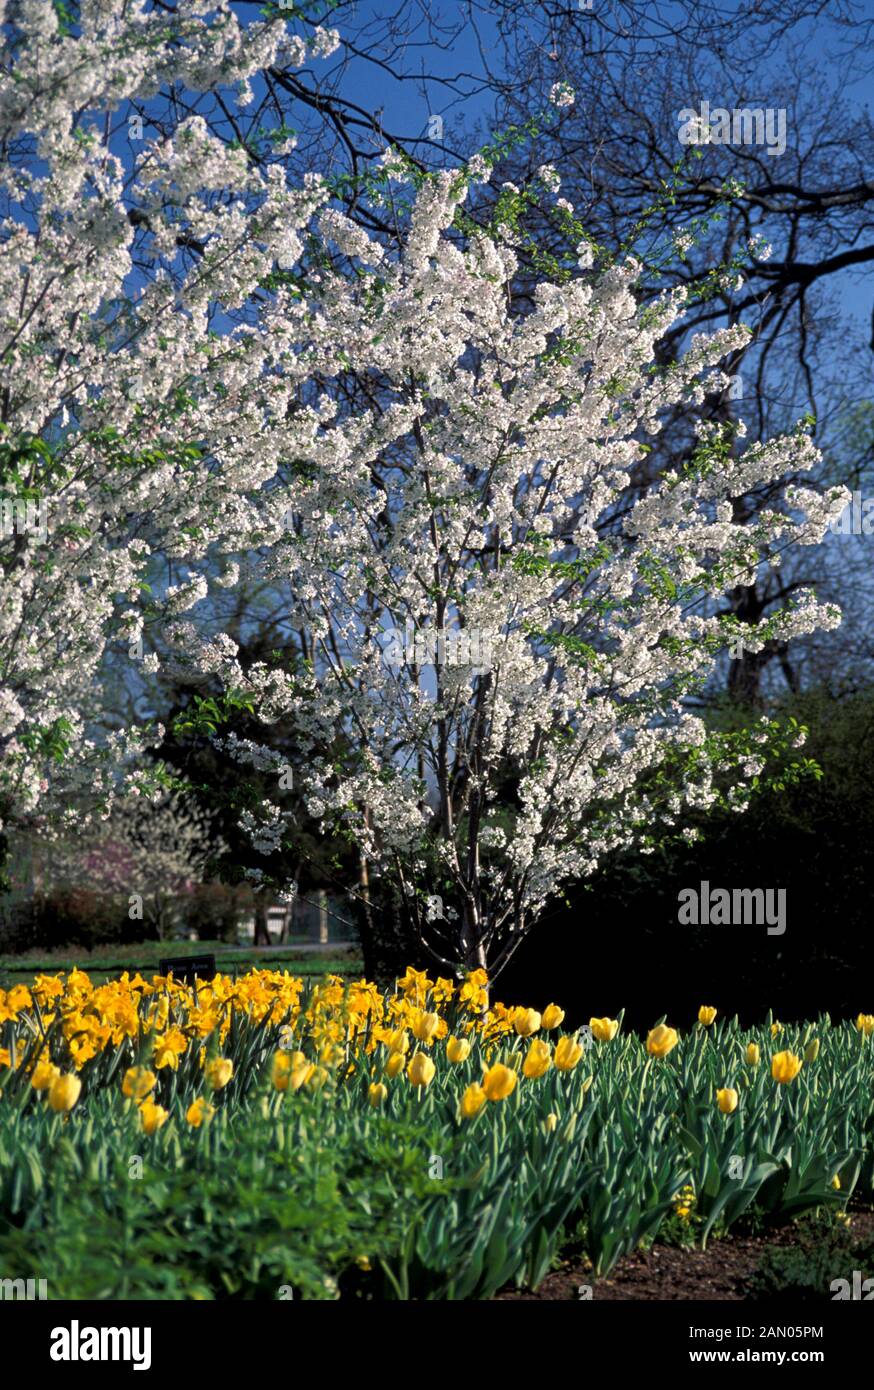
(188, 968)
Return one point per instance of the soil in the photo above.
(667, 1273)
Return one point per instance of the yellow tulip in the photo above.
(424, 1026)
(314, 1078)
(472, 1101)
(499, 1082)
(138, 1082)
(152, 1116)
(526, 1022)
(726, 1099)
(567, 1053)
(753, 1054)
(661, 1040)
(219, 1072)
(457, 1049)
(64, 1092)
(44, 1074)
(377, 1093)
(198, 1111)
(551, 1122)
(865, 1024)
(280, 1070)
(604, 1029)
(785, 1066)
(706, 1015)
(394, 1064)
(775, 1029)
(301, 1075)
(538, 1060)
(836, 1183)
(398, 1041)
(811, 1052)
(421, 1069)
(552, 1017)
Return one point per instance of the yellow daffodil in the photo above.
(169, 1047)
(775, 1029)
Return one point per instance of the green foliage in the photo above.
(825, 1251)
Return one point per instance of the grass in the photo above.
(106, 962)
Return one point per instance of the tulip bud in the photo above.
(526, 1022)
(604, 1029)
(198, 1111)
(499, 1082)
(424, 1026)
(219, 1072)
(753, 1054)
(552, 1017)
(567, 1053)
(661, 1040)
(44, 1074)
(64, 1092)
(551, 1122)
(785, 1066)
(138, 1082)
(394, 1064)
(377, 1093)
(421, 1069)
(811, 1052)
(152, 1116)
(538, 1060)
(472, 1101)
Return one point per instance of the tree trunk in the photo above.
(262, 935)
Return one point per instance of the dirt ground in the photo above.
(668, 1273)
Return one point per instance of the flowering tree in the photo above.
(503, 626)
(147, 857)
(129, 427)
(438, 461)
